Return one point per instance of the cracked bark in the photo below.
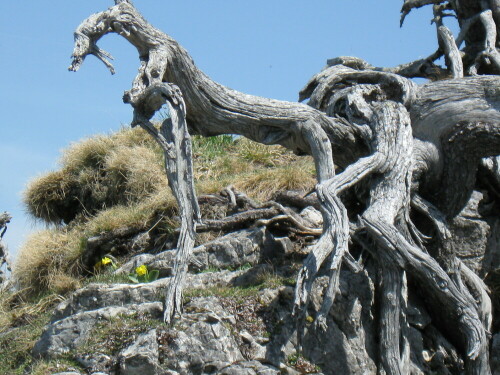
(375, 126)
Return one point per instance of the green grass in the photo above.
(66, 363)
(240, 293)
(16, 344)
(108, 278)
(211, 147)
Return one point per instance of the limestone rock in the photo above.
(227, 252)
(348, 346)
(211, 338)
(65, 335)
(73, 319)
(203, 341)
(474, 237)
(250, 368)
(141, 357)
(495, 354)
(95, 296)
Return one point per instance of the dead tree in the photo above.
(414, 147)
(4, 255)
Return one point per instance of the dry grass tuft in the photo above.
(49, 259)
(116, 181)
(137, 170)
(263, 155)
(49, 197)
(45, 257)
(87, 153)
(97, 173)
(262, 185)
(256, 169)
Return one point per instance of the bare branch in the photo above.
(447, 44)
(451, 51)
(4, 254)
(4, 220)
(490, 41)
(409, 5)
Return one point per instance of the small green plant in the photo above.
(301, 364)
(16, 344)
(105, 263)
(108, 278)
(293, 359)
(244, 267)
(143, 275)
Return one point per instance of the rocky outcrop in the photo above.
(237, 313)
(234, 250)
(243, 330)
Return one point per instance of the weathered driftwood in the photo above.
(378, 127)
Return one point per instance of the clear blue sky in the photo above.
(268, 48)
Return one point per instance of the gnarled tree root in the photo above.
(175, 141)
(388, 208)
(445, 298)
(379, 99)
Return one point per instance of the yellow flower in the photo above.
(141, 270)
(105, 261)
(310, 319)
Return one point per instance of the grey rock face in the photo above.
(65, 335)
(250, 368)
(141, 357)
(209, 339)
(227, 252)
(495, 354)
(476, 237)
(73, 319)
(213, 337)
(203, 341)
(95, 296)
(348, 346)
